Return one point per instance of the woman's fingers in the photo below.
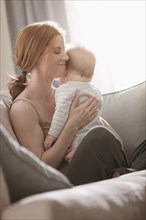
(92, 106)
(92, 109)
(75, 101)
(89, 110)
(89, 106)
(90, 103)
(81, 114)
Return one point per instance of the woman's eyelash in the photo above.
(56, 52)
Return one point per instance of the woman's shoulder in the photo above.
(23, 108)
(20, 104)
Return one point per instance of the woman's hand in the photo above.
(81, 114)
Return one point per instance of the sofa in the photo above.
(33, 190)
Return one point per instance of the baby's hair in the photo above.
(81, 60)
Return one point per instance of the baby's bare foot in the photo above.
(115, 174)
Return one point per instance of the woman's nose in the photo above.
(65, 57)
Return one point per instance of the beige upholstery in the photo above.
(125, 111)
(4, 194)
(116, 199)
(4, 110)
(122, 198)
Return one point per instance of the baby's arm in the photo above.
(63, 101)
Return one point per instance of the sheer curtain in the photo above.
(23, 12)
(115, 32)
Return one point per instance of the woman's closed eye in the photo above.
(57, 50)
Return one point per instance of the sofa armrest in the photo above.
(125, 111)
(116, 199)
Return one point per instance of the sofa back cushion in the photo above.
(25, 173)
(125, 111)
(4, 193)
(5, 103)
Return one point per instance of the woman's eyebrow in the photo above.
(56, 47)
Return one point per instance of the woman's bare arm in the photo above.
(30, 134)
(25, 123)
(79, 117)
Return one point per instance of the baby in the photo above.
(80, 70)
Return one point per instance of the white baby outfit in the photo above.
(64, 96)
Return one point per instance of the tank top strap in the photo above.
(27, 100)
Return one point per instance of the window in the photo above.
(115, 32)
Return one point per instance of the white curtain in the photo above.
(115, 31)
(23, 12)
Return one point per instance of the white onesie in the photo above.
(64, 96)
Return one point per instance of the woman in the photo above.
(41, 56)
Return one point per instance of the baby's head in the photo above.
(81, 62)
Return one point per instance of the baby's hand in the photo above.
(69, 154)
(49, 141)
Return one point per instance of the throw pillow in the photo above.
(5, 102)
(5, 200)
(25, 173)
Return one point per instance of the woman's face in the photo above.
(53, 59)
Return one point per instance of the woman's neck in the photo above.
(39, 87)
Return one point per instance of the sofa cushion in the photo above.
(125, 111)
(121, 198)
(139, 157)
(25, 173)
(5, 199)
(5, 103)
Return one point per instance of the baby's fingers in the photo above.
(46, 144)
(69, 156)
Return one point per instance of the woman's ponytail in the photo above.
(17, 85)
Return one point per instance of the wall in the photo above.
(6, 63)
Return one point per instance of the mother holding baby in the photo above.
(40, 55)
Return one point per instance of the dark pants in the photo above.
(96, 157)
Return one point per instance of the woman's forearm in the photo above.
(55, 155)
(79, 116)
